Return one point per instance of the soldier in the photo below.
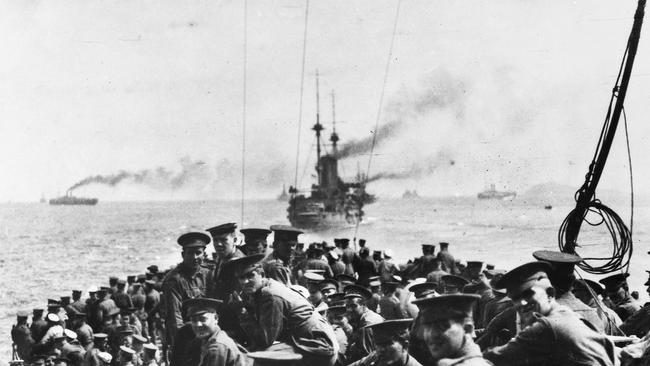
(187, 280)
(316, 298)
(617, 290)
(125, 356)
(391, 339)
(555, 334)
(77, 304)
(639, 322)
(453, 284)
(447, 260)
(255, 240)
(21, 335)
(335, 262)
(389, 305)
(277, 264)
(130, 280)
(105, 307)
(99, 345)
(562, 278)
(336, 317)
(84, 331)
(273, 312)
(328, 287)
(121, 298)
(588, 291)
(315, 262)
(112, 283)
(64, 343)
(348, 256)
(447, 328)
(138, 297)
(217, 348)
(224, 240)
(151, 307)
(386, 267)
(359, 316)
(39, 325)
(54, 329)
(365, 267)
(149, 355)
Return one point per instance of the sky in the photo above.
(148, 96)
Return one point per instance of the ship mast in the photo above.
(334, 137)
(318, 128)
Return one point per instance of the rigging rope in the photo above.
(622, 243)
(243, 143)
(302, 88)
(381, 103)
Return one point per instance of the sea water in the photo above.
(47, 251)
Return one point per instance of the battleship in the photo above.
(410, 195)
(331, 202)
(69, 199)
(284, 195)
(493, 194)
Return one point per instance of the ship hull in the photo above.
(321, 220)
(73, 201)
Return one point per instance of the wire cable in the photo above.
(302, 88)
(243, 142)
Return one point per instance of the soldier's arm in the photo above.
(533, 345)
(263, 332)
(173, 306)
(221, 355)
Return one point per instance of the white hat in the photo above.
(334, 255)
(70, 334)
(105, 357)
(388, 253)
(53, 318)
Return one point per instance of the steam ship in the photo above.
(69, 199)
(493, 194)
(331, 202)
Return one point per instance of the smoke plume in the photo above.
(363, 146)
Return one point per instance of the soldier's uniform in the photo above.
(39, 325)
(121, 298)
(275, 265)
(255, 240)
(183, 282)
(348, 256)
(386, 333)
(221, 283)
(447, 261)
(77, 305)
(360, 340)
(277, 313)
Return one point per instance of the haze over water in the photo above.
(50, 250)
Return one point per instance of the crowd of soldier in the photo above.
(331, 304)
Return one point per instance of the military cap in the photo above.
(593, 285)
(522, 277)
(452, 281)
(428, 246)
(557, 258)
(333, 255)
(127, 311)
(76, 314)
(274, 357)
(362, 242)
(423, 289)
(21, 314)
(286, 233)
(70, 334)
(127, 350)
(347, 241)
(336, 297)
(193, 239)
(222, 229)
(150, 282)
(373, 278)
(329, 283)
(130, 279)
(443, 244)
(105, 357)
(121, 282)
(376, 252)
(53, 318)
(201, 305)
(53, 302)
(141, 278)
(329, 245)
(446, 306)
(489, 266)
(313, 277)
(150, 347)
(337, 309)
(62, 359)
(344, 278)
(113, 311)
(100, 335)
(300, 245)
(60, 337)
(615, 282)
(374, 283)
(125, 330)
(239, 264)
(139, 338)
(388, 253)
(105, 288)
(153, 268)
(38, 311)
(65, 299)
(253, 234)
(474, 265)
(112, 280)
(76, 293)
(356, 291)
(385, 331)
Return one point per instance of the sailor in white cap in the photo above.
(55, 329)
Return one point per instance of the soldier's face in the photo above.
(354, 308)
(444, 337)
(390, 353)
(224, 244)
(250, 280)
(533, 300)
(192, 256)
(204, 325)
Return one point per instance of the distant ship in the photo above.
(42, 200)
(493, 194)
(331, 202)
(69, 199)
(409, 195)
(283, 196)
